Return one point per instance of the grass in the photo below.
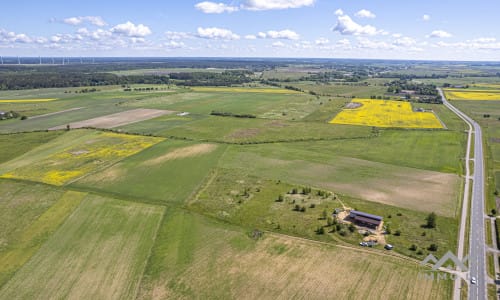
(198, 258)
(97, 150)
(386, 113)
(12, 146)
(27, 100)
(238, 130)
(164, 174)
(29, 214)
(238, 198)
(410, 188)
(98, 253)
(244, 90)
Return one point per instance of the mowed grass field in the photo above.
(166, 173)
(405, 187)
(386, 113)
(29, 214)
(89, 152)
(198, 258)
(105, 244)
(469, 94)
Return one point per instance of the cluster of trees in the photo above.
(29, 80)
(10, 115)
(397, 86)
(230, 114)
(226, 78)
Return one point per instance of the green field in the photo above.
(164, 174)
(29, 214)
(171, 215)
(105, 243)
(195, 257)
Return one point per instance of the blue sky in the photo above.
(425, 29)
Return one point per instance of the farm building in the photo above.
(365, 219)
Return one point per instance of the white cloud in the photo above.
(369, 44)
(286, 34)
(12, 37)
(339, 12)
(484, 40)
(217, 33)
(346, 26)
(276, 4)
(322, 41)
(439, 34)
(283, 34)
(131, 30)
(250, 37)
(215, 8)
(95, 20)
(176, 35)
(174, 45)
(397, 35)
(426, 17)
(278, 45)
(365, 14)
(404, 42)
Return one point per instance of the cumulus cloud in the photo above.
(404, 42)
(176, 35)
(322, 41)
(94, 20)
(278, 45)
(250, 37)
(131, 30)
(439, 34)
(174, 45)
(346, 26)
(426, 18)
(12, 37)
(215, 8)
(217, 33)
(339, 12)
(365, 14)
(275, 4)
(286, 34)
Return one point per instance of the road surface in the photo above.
(477, 242)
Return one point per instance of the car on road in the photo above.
(473, 280)
(389, 247)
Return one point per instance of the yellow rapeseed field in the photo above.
(386, 113)
(26, 100)
(77, 161)
(462, 94)
(244, 90)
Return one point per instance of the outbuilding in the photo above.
(365, 219)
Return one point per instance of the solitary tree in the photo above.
(431, 220)
(324, 214)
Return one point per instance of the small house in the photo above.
(365, 219)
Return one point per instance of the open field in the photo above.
(26, 100)
(195, 257)
(166, 173)
(238, 198)
(90, 152)
(28, 215)
(24, 142)
(379, 182)
(99, 253)
(118, 119)
(244, 90)
(468, 94)
(385, 113)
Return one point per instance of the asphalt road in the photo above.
(477, 243)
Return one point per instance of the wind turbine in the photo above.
(18, 60)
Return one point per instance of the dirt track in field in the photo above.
(118, 119)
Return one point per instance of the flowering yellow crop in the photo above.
(74, 162)
(26, 100)
(244, 90)
(386, 113)
(466, 94)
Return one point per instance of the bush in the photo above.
(397, 233)
(433, 247)
(413, 247)
(320, 230)
(351, 228)
(24, 118)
